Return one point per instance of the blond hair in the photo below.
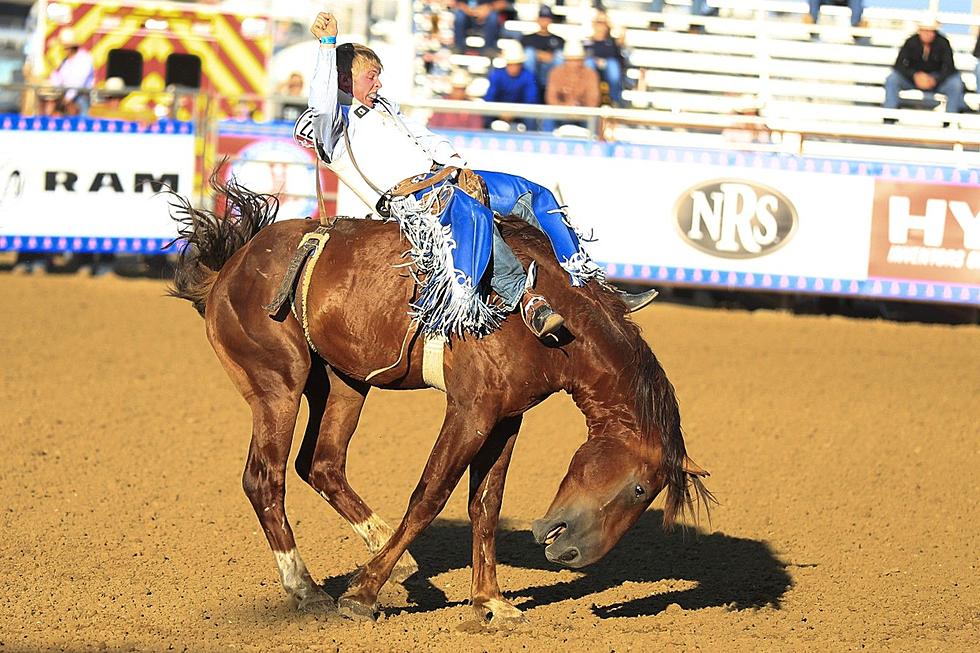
(353, 59)
(365, 58)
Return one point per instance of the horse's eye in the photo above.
(639, 491)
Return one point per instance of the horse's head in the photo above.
(610, 482)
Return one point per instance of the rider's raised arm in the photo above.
(324, 100)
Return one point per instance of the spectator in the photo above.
(512, 83)
(107, 103)
(572, 83)
(698, 7)
(976, 53)
(292, 88)
(606, 57)
(244, 110)
(857, 8)
(925, 62)
(486, 14)
(543, 49)
(49, 101)
(76, 71)
(459, 82)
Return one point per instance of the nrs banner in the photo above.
(78, 184)
(756, 220)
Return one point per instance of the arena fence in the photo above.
(685, 202)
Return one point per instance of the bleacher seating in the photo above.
(764, 50)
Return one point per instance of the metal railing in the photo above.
(960, 135)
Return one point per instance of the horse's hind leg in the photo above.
(272, 384)
(488, 472)
(335, 407)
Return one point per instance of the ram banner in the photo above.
(76, 184)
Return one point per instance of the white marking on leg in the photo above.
(501, 609)
(296, 580)
(292, 570)
(374, 531)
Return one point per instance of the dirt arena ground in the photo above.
(845, 454)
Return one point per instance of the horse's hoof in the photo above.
(405, 568)
(495, 613)
(318, 601)
(355, 610)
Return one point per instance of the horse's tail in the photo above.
(209, 238)
(683, 476)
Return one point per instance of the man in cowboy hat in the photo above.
(459, 82)
(925, 62)
(372, 147)
(513, 82)
(571, 83)
(543, 48)
(76, 71)
(108, 103)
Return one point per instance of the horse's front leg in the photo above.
(488, 471)
(463, 433)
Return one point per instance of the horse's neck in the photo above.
(601, 390)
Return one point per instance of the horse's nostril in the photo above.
(568, 556)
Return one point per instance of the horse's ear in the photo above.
(692, 468)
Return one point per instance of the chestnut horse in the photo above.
(358, 320)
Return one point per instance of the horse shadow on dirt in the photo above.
(731, 572)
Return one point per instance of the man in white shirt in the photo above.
(76, 71)
(346, 113)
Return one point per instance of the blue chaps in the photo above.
(479, 244)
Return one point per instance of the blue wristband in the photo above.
(328, 40)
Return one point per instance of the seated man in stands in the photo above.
(513, 83)
(606, 56)
(459, 81)
(290, 109)
(543, 49)
(572, 83)
(976, 53)
(486, 14)
(925, 62)
(857, 9)
(698, 8)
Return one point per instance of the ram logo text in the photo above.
(66, 180)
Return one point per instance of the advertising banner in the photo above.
(265, 159)
(927, 232)
(766, 221)
(659, 215)
(77, 184)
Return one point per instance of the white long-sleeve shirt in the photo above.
(389, 147)
(75, 71)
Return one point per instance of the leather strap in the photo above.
(353, 160)
(433, 365)
(309, 244)
(408, 187)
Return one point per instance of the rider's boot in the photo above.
(538, 315)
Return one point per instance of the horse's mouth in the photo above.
(554, 534)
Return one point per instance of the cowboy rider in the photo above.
(403, 147)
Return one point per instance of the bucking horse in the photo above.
(340, 343)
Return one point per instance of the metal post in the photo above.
(762, 53)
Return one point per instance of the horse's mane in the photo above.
(654, 402)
